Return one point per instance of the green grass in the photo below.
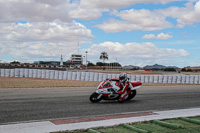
(149, 126)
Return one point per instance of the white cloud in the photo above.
(143, 19)
(149, 36)
(147, 20)
(130, 52)
(64, 10)
(34, 41)
(118, 4)
(34, 10)
(92, 9)
(162, 36)
(55, 31)
(184, 15)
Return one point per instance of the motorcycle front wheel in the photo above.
(94, 97)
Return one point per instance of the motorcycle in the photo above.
(108, 90)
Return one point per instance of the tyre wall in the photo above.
(92, 76)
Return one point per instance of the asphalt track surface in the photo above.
(36, 104)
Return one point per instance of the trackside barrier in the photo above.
(61, 74)
(17, 72)
(142, 78)
(160, 79)
(34, 73)
(69, 76)
(155, 79)
(12, 72)
(96, 76)
(83, 76)
(21, 72)
(92, 76)
(56, 75)
(105, 76)
(39, 73)
(52, 74)
(183, 79)
(151, 79)
(109, 76)
(196, 79)
(87, 76)
(47, 75)
(165, 79)
(65, 74)
(178, 79)
(78, 76)
(43, 74)
(100, 77)
(30, 73)
(146, 79)
(7, 72)
(113, 76)
(74, 74)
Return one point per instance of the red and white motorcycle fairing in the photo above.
(108, 90)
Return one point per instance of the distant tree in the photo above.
(186, 70)
(99, 64)
(104, 56)
(15, 62)
(170, 69)
(90, 64)
(183, 69)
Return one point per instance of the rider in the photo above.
(125, 83)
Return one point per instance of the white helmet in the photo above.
(122, 77)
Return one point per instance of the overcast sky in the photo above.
(132, 32)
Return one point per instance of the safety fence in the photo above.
(92, 76)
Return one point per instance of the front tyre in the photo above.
(94, 97)
(131, 95)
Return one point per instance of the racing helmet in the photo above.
(122, 77)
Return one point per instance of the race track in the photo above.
(17, 105)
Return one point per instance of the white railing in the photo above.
(92, 76)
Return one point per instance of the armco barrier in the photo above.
(34, 73)
(69, 76)
(39, 73)
(83, 76)
(65, 74)
(96, 76)
(78, 76)
(43, 74)
(7, 72)
(100, 77)
(87, 76)
(60, 75)
(74, 74)
(91, 76)
(12, 72)
(47, 75)
(56, 75)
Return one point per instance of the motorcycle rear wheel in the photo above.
(131, 95)
(94, 96)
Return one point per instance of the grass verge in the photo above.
(149, 126)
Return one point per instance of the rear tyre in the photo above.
(131, 95)
(94, 96)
